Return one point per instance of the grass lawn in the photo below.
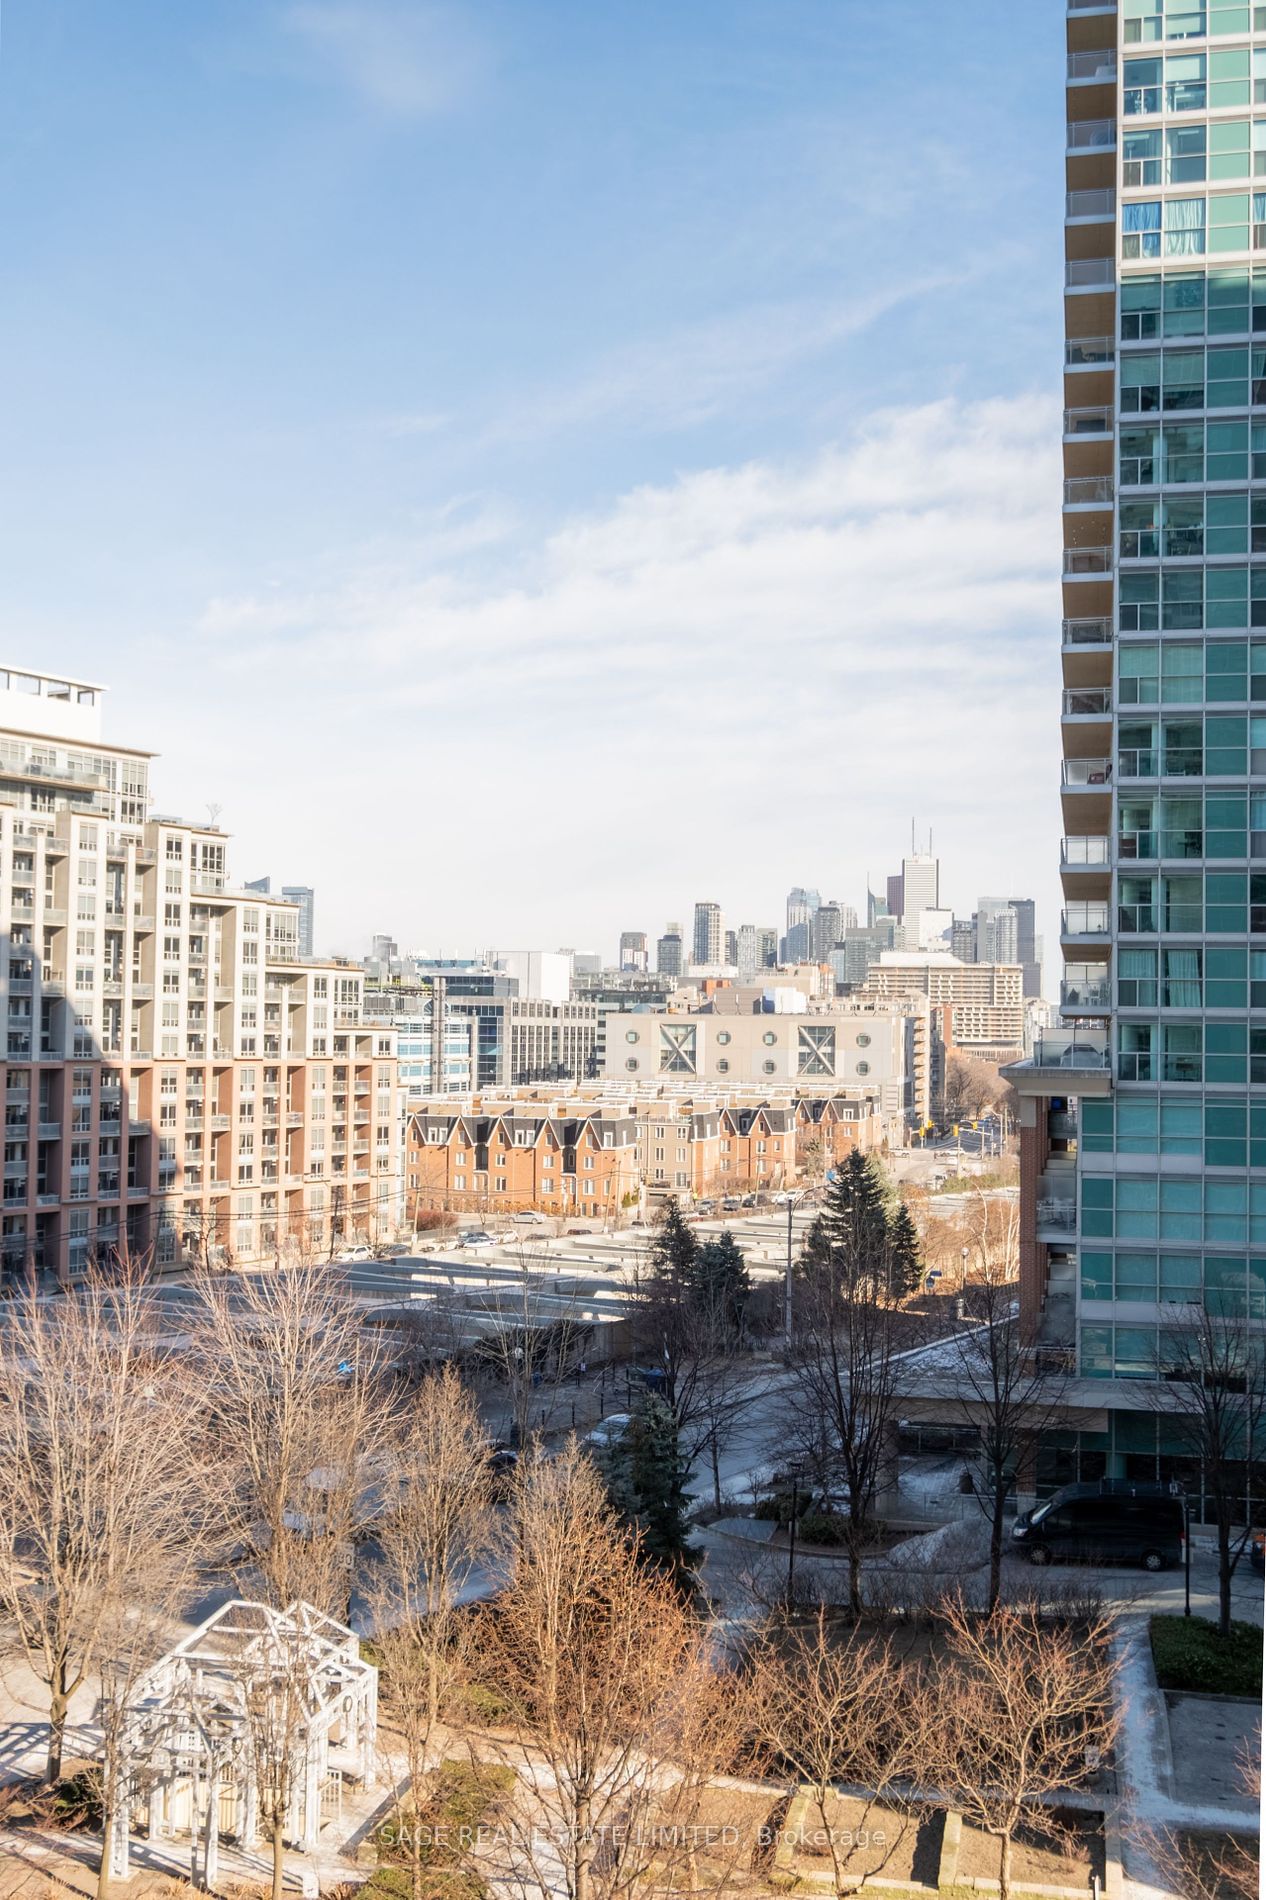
(1189, 1654)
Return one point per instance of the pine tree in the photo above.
(721, 1285)
(675, 1248)
(854, 1218)
(905, 1254)
(646, 1481)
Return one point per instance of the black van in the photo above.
(1110, 1522)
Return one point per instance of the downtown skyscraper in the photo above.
(1144, 1136)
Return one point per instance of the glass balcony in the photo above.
(1085, 920)
(1095, 67)
(1088, 422)
(1087, 852)
(1088, 491)
(1093, 632)
(1090, 273)
(1092, 135)
(1100, 203)
(1087, 563)
(1087, 702)
(1087, 772)
(1090, 993)
(1072, 1049)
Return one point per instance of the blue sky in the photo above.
(537, 464)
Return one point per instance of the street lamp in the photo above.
(793, 1201)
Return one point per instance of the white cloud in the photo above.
(699, 370)
(719, 686)
(412, 60)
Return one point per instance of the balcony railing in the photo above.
(1085, 920)
(1059, 1214)
(1088, 491)
(1092, 632)
(1101, 203)
(1087, 702)
(1072, 1049)
(1085, 995)
(1088, 772)
(1100, 65)
(1087, 563)
(1092, 135)
(1089, 273)
(1088, 851)
(1096, 422)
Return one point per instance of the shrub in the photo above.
(1190, 1654)
(823, 1527)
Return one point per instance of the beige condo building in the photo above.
(178, 1082)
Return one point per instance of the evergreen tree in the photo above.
(646, 1481)
(721, 1285)
(675, 1248)
(854, 1219)
(905, 1255)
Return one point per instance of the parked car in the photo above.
(394, 1250)
(1110, 1522)
(529, 1216)
(731, 1203)
(705, 1207)
(356, 1253)
(610, 1431)
(476, 1238)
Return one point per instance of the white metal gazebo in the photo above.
(254, 1698)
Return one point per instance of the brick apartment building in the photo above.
(597, 1156)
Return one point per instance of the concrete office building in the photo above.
(178, 1081)
(633, 951)
(881, 1051)
(1144, 1125)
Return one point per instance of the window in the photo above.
(769, 1038)
(631, 1035)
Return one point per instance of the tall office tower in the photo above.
(1144, 1125)
(633, 951)
(997, 931)
(709, 940)
(802, 907)
(920, 885)
(669, 951)
(876, 907)
(305, 897)
(259, 886)
(963, 939)
(747, 951)
(1028, 950)
(731, 947)
(895, 896)
(767, 948)
(179, 1082)
(827, 930)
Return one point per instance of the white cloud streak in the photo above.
(712, 687)
(411, 60)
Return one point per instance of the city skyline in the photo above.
(682, 421)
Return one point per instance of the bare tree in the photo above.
(304, 1424)
(998, 1388)
(832, 1707)
(616, 1716)
(845, 1384)
(1020, 1709)
(103, 1481)
(433, 1533)
(533, 1340)
(1212, 1399)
